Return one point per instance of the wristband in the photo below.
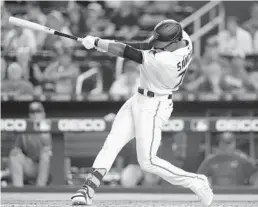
(96, 42)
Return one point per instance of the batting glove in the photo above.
(88, 42)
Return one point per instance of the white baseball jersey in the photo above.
(142, 117)
(163, 72)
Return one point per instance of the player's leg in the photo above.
(150, 117)
(121, 133)
(16, 167)
(30, 169)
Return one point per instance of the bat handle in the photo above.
(67, 36)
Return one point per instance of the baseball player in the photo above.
(164, 59)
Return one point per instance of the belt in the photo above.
(150, 93)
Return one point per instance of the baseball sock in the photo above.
(93, 180)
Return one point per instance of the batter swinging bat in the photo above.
(32, 25)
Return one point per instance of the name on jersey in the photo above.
(186, 59)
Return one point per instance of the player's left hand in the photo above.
(88, 42)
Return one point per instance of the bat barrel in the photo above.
(31, 25)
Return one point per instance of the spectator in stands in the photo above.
(96, 22)
(152, 14)
(254, 179)
(62, 73)
(253, 78)
(56, 21)
(126, 85)
(77, 21)
(213, 66)
(15, 85)
(252, 24)
(19, 37)
(5, 26)
(30, 157)
(3, 69)
(236, 80)
(125, 20)
(195, 80)
(23, 57)
(256, 42)
(228, 166)
(234, 40)
(35, 14)
(175, 150)
(31, 71)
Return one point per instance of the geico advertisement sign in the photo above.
(13, 125)
(174, 125)
(245, 125)
(81, 125)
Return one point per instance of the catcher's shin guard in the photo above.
(85, 194)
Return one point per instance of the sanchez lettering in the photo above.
(186, 59)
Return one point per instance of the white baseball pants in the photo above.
(142, 117)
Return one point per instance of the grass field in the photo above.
(125, 200)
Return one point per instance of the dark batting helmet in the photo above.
(165, 33)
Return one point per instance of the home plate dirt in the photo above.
(125, 200)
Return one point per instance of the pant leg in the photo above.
(30, 169)
(123, 130)
(150, 115)
(16, 167)
(21, 167)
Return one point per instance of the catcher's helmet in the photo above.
(165, 33)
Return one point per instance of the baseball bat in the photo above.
(32, 25)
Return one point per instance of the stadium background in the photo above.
(199, 110)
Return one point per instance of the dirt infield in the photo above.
(125, 200)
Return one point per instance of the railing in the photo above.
(216, 12)
(87, 75)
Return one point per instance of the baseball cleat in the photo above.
(81, 197)
(201, 188)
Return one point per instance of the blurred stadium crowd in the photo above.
(36, 64)
(46, 64)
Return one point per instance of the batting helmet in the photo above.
(165, 33)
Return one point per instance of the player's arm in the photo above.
(118, 49)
